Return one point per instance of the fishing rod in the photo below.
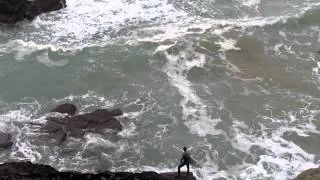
(195, 161)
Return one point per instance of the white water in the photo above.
(99, 23)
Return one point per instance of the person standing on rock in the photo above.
(185, 160)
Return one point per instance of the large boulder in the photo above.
(310, 174)
(27, 170)
(12, 11)
(66, 108)
(5, 140)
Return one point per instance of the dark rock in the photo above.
(116, 112)
(101, 113)
(111, 123)
(27, 170)
(99, 119)
(61, 121)
(310, 174)
(77, 122)
(36, 7)
(77, 125)
(12, 11)
(5, 140)
(52, 127)
(106, 113)
(65, 109)
(173, 175)
(76, 133)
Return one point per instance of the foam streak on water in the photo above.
(194, 111)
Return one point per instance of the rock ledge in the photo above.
(12, 11)
(29, 171)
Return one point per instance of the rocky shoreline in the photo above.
(69, 124)
(309, 174)
(63, 123)
(30, 171)
(12, 11)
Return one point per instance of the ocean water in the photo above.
(237, 81)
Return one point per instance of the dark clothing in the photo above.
(180, 166)
(185, 160)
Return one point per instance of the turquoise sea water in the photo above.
(237, 81)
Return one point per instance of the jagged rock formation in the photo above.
(12, 11)
(310, 174)
(75, 126)
(66, 108)
(29, 171)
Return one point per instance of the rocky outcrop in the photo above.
(29, 171)
(66, 108)
(310, 174)
(77, 125)
(12, 11)
(5, 140)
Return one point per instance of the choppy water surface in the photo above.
(237, 80)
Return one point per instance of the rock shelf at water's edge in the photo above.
(30, 171)
(12, 11)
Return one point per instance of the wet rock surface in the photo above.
(77, 125)
(310, 174)
(12, 11)
(29, 171)
(66, 108)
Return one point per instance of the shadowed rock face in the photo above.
(310, 174)
(27, 170)
(12, 11)
(66, 108)
(5, 140)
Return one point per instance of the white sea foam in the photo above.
(88, 23)
(195, 114)
(283, 158)
(44, 58)
(91, 99)
(100, 19)
(93, 140)
(251, 3)
(17, 123)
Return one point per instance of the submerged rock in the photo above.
(66, 108)
(310, 174)
(5, 140)
(12, 11)
(27, 170)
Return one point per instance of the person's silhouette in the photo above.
(185, 160)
